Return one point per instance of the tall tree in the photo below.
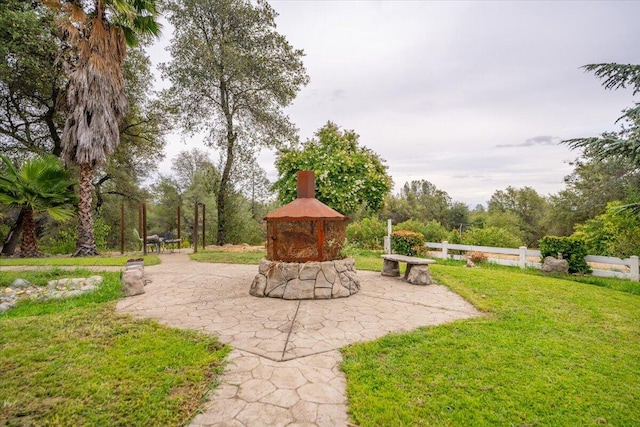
(588, 189)
(232, 74)
(98, 33)
(527, 205)
(348, 176)
(41, 184)
(31, 80)
(428, 202)
(624, 144)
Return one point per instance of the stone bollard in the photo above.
(133, 278)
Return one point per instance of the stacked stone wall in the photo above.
(306, 280)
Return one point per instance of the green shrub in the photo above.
(101, 232)
(64, 242)
(612, 233)
(367, 234)
(407, 243)
(432, 230)
(571, 248)
(490, 236)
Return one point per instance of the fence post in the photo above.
(634, 273)
(522, 262)
(445, 250)
(387, 238)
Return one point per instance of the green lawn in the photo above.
(549, 351)
(101, 261)
(78, 362)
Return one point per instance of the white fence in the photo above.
(628, 268)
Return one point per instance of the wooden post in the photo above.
(122, 228)
(144, 228)
(195, 228)
(178, 222)
(203, 219)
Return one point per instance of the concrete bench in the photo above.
(420, 275)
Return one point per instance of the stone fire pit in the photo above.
(304, 240)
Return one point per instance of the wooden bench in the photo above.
(391, 267)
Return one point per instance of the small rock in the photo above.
(553, 265)
(8, 290)
(20, 284)
(5, 306)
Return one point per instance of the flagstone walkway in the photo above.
(284, 367)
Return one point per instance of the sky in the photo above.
(471, 96)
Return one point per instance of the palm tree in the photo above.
(98, 32)
(42, 184)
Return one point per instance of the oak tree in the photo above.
(231, 75)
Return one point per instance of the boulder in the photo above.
(390, 268)
(419, 275)
(554, 265)
(132, 283)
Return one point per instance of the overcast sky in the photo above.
(472, 96)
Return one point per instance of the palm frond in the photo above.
(60, 213)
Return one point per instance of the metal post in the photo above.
(122, 228)
(178, 222)
(144, 228)
(203, 220)
(195, 228)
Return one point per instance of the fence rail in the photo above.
(630, 266)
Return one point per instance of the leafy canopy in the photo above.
(348, 176)
(231, 75)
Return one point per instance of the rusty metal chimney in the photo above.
(306, 185)
(305, 229)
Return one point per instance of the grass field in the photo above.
(78, 362)
(549, 351)
(101, 261)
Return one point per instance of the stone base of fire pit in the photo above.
(306, 280)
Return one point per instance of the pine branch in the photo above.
(617, 76)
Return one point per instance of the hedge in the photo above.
(405, 242)
(571, 248)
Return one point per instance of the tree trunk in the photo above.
(29, 245)
(222, 195)
(10, 242)
(86, 244)
(226, 172)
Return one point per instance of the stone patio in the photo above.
(284, 369)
